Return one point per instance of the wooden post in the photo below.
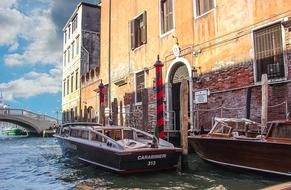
(145, 108)
(264, 115)
(184, 123)
(115, 111)
(130, 118)
(121, 113)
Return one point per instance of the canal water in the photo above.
(38, 164)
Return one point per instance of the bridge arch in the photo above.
(24, 124)
(33, 122)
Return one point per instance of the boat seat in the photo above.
(132, 144)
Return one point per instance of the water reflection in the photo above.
(37, 163)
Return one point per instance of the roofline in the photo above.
(77, 8)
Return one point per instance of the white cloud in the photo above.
(7, 3)
(32, 84)
(37, 29)
(39, 34)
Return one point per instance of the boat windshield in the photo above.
(281, 130)
(236, 127)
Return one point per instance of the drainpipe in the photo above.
(109, 59)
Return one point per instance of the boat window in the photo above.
(221, 128)
(74, 133)
(143, 136)
(80, 133)
(65, 131)
(97, 137)
(281, 131)
(84, 135)
(128, 134)
(113, 133)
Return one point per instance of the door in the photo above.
(176, 103)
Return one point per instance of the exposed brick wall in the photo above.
(226, 91)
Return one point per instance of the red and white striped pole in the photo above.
(160, 97)
(101, 101)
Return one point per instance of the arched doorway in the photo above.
(91, 114)
(178, 70)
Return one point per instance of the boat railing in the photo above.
(208, 115)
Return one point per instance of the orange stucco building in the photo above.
(221, 48)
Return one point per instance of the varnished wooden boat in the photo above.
(120, 149)
(245, 144)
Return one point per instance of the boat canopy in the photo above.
(235, 120)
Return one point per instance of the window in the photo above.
(72, 83)
(68, 86)
(138, 31)
(64, 86)
(65, 58)
(203, 6)
(77, 45)
(65, 37)
(69, 54)
(167, 23)
(77, 80)
(268, 49)
(69, 33)
(140, 85)
(73, 50)
(74, 23)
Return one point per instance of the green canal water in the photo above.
(37, 163)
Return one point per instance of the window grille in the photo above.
(269, 53)
(140, 85)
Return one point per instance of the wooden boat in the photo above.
(121, 149)
(245, 144)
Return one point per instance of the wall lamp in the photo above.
(196, 52)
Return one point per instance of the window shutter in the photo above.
(132, 34)
(144, 29)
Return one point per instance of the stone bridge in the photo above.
(32, 122)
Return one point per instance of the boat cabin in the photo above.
(247, 129)
(116, 137)
(237, 128)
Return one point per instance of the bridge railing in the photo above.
(26, 113)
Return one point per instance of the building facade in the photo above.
(80, 55)
(220, 49)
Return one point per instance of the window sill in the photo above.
(204, 14)
(137, 48)
(273, 81)
(167, 33)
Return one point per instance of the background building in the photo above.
(81, 55)
(221, 49)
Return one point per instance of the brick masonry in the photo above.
(228, 89)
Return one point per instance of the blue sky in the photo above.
(31, 52)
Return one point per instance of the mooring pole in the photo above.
(101, 104)
(265, 95)
(184, 123)
(160, 96)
